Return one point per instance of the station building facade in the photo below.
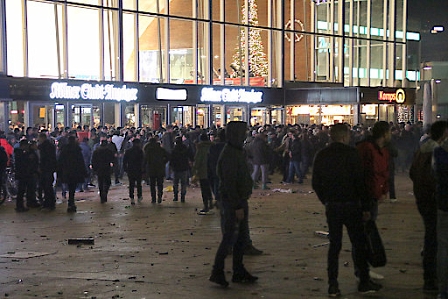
(202, 62)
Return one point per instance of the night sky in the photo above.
(430, 13)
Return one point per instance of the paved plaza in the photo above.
(167, 250)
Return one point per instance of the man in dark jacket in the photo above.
(102, 162)
(295, 157)
(155, 160)
(236, 188)
(180, 164)
(47, 166)
(26, 166)
(424, 187)
(71, 168)
(440, 164)
(339, 185)
(259, 153)
(133, 162)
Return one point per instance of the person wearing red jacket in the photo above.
(8, 147)
(375, 159)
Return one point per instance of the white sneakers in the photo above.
(375, 275)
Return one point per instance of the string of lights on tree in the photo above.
(258, 64)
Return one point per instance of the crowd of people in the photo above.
(72, 160)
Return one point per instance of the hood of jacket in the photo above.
(236, 133)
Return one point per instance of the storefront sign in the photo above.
(87, 91)
(171, 94)
(233, 95)
(399, 96)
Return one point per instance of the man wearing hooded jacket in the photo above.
(236, 187)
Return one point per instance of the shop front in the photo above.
(252, 105)
(388, 104)
(325, 106)
(50, 104)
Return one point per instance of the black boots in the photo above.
(219, 278)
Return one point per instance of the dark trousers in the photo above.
(206, 192)
(233, 236)
(133, 181)
(350, 215)
(46, 184)
(182, 178)
(153, 182)
(429, 215)
(104, 185)
(28, 186)
(71, 193)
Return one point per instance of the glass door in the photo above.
(81, 115)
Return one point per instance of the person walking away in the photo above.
(338, 181)
(259, 152)
(103, 159)
(47, 168)
(180, 164)
(424, 187)
(375, 159)
(71, 169)
(440, 164)
(200, 171)
(156, 158)
(115, 170)
(87, 156)
(168, 144)
(236, 188)
(133, 165)
(118, 140)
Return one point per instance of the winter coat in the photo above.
(26, 163)
(440, 164)
(200, 159)
(8, 148)
(295, 150)
(213, 156)
(344, 185)
(375, 161)
(155, 159)
(258, 151)
(134, 161)
(422, 175)
(102, 157)
(180, 158)
(71, 168)
(48, 161)
(86, 153)
(235, 181)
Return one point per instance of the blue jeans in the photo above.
(264, 173)
(294, 168)
(442, 250)
(233, 236)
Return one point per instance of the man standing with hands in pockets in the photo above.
(235, 185)
(339, 184)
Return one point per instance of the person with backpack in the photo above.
(424, 187)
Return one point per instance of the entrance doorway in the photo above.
(82, 115)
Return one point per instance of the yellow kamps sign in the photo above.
(399, 96)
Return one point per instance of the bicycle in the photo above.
(8, 188)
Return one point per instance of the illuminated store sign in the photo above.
(87, 91)
(234, 95)
(399, 96)
(171, 94)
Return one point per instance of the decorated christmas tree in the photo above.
(258, 64)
